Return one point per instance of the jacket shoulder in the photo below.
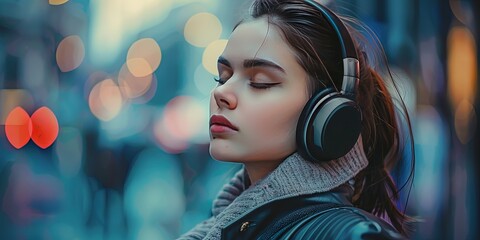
(344, 222)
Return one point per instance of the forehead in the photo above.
(259, 39)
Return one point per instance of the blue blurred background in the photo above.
(129, 81)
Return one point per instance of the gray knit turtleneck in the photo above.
(293, 177)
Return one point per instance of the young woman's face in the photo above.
(261, 92)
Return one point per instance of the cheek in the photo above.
(271, 132)
(275, 122)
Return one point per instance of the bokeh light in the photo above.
(182, 119)
(132, 86)
(462, 80)
(92, 80)
(202, 28)
(149, 94)
(462, 65)
(57, 2)
(465, 121)
(166, 140)
(144, 57)
(211, 54)
(41, 127)
(44, 127)
(69, 149)
(110, 95)
(105, 100)
(18, 127)
(70, 53)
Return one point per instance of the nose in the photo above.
(225, 96)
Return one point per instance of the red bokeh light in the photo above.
(42, 127)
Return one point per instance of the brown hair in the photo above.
(317, 48)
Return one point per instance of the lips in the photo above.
(221, 121)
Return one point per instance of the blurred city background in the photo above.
(128, 82)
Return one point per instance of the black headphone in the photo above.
(331, 121)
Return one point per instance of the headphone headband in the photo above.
(331, 121)
(351, 68)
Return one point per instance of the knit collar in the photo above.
(293, 177)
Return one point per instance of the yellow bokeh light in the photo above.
(110, 95)
(144, 57)
(149, 94)
(57, 2)
(201, 29)
(462, 65)
(139, 67)
(105, 100)
(70, 53)
(211, 54)
(132, 86)
(465, 121)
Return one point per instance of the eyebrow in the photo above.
(250, 63)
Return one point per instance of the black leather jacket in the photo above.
(319, 216)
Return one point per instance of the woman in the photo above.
(313, 125)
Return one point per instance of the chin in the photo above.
(224, 155)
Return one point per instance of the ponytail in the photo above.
(375, 188)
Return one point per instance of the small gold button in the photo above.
(244, 226)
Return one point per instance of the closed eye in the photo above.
(219, 80)
(262, 85)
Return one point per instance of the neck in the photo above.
(259, 170)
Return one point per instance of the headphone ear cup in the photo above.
(304, 135)
(328, 127)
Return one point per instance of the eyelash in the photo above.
(253, 85)
(219, 80)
